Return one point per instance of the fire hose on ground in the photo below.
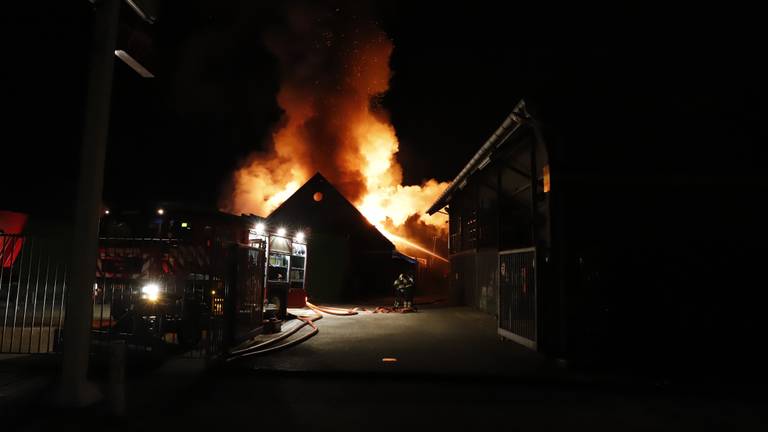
(331, 310)
(266, 346)
(269, 346)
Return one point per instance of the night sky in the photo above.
(658, 111)
(458, 71)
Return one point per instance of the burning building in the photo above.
(351, 258)
(334, 69)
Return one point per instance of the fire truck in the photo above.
(193, 278)
(286, 269)
(157, 288)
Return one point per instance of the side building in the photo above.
(608, 242)
(499, 228)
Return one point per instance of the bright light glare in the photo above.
(151, 292)
(281, 232)
(135, 65)
(299, 236)
(160, 212)
(260, 228)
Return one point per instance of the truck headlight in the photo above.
(150, 292)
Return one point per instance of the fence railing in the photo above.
(156, 294)
(518, 296)
(33, 289)
(186, 318)
(159, 295)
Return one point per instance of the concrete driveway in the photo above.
(452, 373)
(435, 340)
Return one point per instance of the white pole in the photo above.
(74, 389)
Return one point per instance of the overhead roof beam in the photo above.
(499, 137)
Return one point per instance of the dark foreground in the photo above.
(451, 372)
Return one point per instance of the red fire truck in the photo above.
(177, 276)
(192, 278)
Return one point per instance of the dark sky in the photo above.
(458, 71)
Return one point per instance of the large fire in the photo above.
(334, 70)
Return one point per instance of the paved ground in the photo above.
(22, 379)
(437, 340)
(452, 372)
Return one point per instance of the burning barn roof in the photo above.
(334, 68)
(349, 257)
(320, 208)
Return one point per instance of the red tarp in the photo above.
(11, 223)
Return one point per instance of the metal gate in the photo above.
(160, 295)
(33, 287)
(518, 296)
(201, 296)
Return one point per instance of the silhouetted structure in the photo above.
(597, 249)
(350, 258)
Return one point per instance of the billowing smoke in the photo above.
(334, 68)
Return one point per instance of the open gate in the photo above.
(518, 296)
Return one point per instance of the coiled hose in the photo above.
(266, 346)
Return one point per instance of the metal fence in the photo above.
(33, 287)
(518, 296)
(173, 296)
(159, 295)
(186, 320)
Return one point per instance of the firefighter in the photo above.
(400, 290)
(409, 287)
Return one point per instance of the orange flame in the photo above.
(333, 125)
